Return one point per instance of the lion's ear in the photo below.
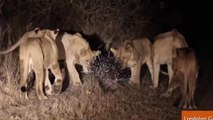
(129, 45)
(114, 51)
(56, 31)
(78, 34)
(36, 30)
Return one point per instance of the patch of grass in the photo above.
(86, 102)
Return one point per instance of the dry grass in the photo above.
(88, 102)
(110, 20)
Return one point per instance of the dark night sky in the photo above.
(192, 19)
(197, 29)
(197, 25)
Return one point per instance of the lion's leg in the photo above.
(170, 72)
(174, 84)
(187, 94)
(149, 64)
(191, 90)
(183, 87)
(156, 69)
(58, 78)
(192, 97)
(48, 86)
(186, 105)
(135, 74)
(189, 100)
(73, 74)
(29, 84)
(193, 84)
(23, 73)
(39, 73)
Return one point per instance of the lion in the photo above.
(76, 50)
(38, 53)
(133, 54)
(185, 67)
(32, 61)
(162, 49)
(50, 52)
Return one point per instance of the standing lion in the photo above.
(74, 49)
(185, 67)
(38, 53)
(162, 49)
(133, 54)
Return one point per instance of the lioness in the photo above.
(32, 61)
(185, 69)
(77, 51)
(133, 54)
(50, 52)
(38, 53)
(162, 49)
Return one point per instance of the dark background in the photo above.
(110, 20)
(147, 17)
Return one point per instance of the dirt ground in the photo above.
(90, 102)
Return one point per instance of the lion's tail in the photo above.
(27, 74)
(29, 86)
(21, 40)
(30, 82)
(29, 34)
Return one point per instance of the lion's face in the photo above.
(125, 54)
(87, 56)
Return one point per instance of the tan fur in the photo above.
(77, 51)
(162, 49)
(50, 52)
(32, 61)
(38, 53)
(133, 54)
(50, 61)
(185, 69)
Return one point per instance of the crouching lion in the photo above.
(38, 52)
(185, 69)
(74, 49)
(133, 54)
(162, 49)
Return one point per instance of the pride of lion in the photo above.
(39, 52)
(133, 53)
